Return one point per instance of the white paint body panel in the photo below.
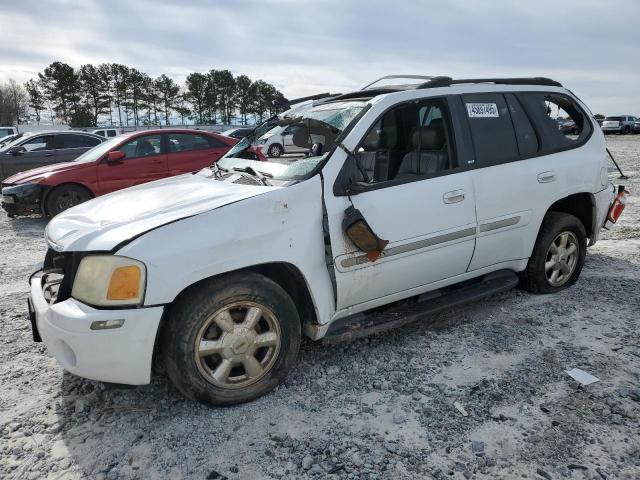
(191, 227)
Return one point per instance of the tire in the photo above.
(538, 279)
(64, 197)
(190, 321)
(627, 130)
(275, 150)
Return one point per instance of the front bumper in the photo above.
(23, 199)
(122, 355)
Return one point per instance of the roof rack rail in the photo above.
(317, 96)
(386, 77)
(436, 82)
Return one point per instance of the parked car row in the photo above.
(414, 198)
(72, 172)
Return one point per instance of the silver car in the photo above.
(38, 149)
(622, 124)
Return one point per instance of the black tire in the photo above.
(534, 277)
(64, 197)
(189, 315)
(627, 130)
(275, 150)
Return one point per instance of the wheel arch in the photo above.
(285, 274)
(581, 205)
(51, 188)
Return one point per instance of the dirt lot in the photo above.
(378, 408)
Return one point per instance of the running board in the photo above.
(402, 313)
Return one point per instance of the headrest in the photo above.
(375, 140)
(428, 138)
(436, 123)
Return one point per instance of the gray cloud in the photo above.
(588, 45)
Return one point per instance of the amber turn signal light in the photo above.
(124, 283)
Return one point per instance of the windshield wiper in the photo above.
(255, 173)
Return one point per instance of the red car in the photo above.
(120, 162)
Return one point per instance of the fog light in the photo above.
(106, 324)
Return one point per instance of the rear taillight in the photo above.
(617, 206)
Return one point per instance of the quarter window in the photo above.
(560, 122)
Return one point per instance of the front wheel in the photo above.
(231, 339)
(558, 255)
(64, 197)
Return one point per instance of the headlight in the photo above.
(109, 280)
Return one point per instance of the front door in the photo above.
(145, 161)
(36, 152)
(418, 196)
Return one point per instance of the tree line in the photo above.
(114, 94)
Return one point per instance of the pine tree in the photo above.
(36, 98)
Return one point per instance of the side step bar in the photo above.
(402, 313)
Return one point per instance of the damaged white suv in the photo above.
(419, 197)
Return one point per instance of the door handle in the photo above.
(48, 154)
(546, 177)
(453, 196)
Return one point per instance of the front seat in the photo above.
(373, 143)
(429, 156)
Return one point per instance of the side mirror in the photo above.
(17, 150)
(115, 156)
(360, 233)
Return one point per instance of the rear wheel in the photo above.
(558, 255)
(275, 150)
(64, 197)
(231, 339)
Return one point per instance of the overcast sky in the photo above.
(591, 46)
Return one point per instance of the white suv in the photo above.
(424, 196)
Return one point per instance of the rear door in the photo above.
(145, 161)
(36, 152)
(523, 164)
(189, 152)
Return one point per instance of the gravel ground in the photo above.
(377, 408)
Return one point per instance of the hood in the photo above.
(105, 222)
(37, 174)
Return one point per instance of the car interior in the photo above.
(408, 141)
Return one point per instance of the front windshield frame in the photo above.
(321, 160)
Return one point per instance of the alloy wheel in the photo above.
(238, 345)
(561, 259)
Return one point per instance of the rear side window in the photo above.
(525, 134)
(91, 141)
(560, 122)
(69, 140)
(183, 142)
(215, 143)
(111, 133)
(491, 129)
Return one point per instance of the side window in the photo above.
(39, 143)
(111, 133)
(91, 141)
(525, 134)
(145, 146)
(409, 142)
(215, 143)
(559, 121)
(494, 139)
(69, 140)
(183, 142)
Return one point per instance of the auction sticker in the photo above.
(482, 110)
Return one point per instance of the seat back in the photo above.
(429, 155)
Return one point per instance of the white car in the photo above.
(429, 196)
(6, 131)
(107, 132)
(279, 140)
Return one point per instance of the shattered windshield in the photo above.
(318, 128)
